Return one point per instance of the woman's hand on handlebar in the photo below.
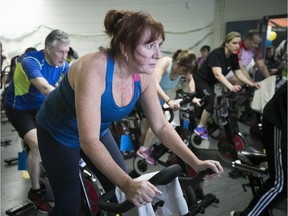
(197, 101)
(255, 85)
(212, 164)
(235, 88)
(141, 192)
(173, 105)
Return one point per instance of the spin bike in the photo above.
(165, 176)
(223, 128)
(190, 183)
(161, 153)
(91, 190)
(252, 163)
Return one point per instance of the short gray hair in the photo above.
(57, 35)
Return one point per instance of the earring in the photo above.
(126, 56)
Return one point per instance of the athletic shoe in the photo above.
(202, 131)
(145, 153)
(235, 213)
(151, 160)
(37, 199)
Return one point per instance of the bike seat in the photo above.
(252, 156)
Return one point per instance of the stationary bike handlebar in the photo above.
(188, 181)
(187, 98)
(171, 113)
(227, 93)
(163, 177)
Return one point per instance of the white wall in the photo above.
(188, 23)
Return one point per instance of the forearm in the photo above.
(162, 94)
(45, 90)
(42, 85)
(223, 80)
(245, 73)
(264, 70)
(260, 64)
(240, 75)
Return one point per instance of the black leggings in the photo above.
(202, 88)
(62, 166)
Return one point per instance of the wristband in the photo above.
(168, 101)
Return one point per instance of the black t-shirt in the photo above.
(216, 58)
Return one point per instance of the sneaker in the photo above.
(235, 213)
(151, 160)
(145, 153)
(202, 132)
(37, 199)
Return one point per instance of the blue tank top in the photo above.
(58, 115)
(166, 83)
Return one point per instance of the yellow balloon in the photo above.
(272, 36)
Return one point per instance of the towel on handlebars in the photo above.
(174, 202)
(264, 94)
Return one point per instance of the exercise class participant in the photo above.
(35, 76)
(218, 64)
(102, 87)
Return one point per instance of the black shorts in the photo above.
(201, 88)
(22, 120)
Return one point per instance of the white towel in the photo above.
(174, 202)
(264, 94)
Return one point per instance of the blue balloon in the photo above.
(268, 42)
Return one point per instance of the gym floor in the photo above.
(15, 184)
